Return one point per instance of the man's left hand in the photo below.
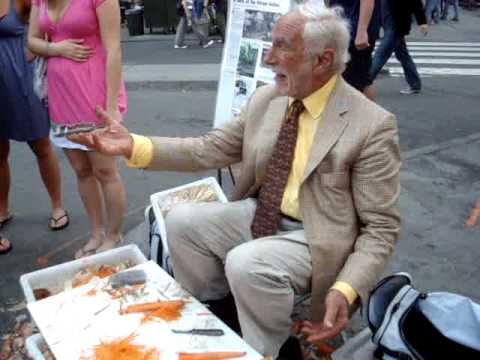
(335, 320)
(361, 40)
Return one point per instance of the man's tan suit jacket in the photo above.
(350, 190)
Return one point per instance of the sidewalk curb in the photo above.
(172, 85)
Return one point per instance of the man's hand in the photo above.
(335, 320)
(424, 29)
(113, 140)
(361, 40)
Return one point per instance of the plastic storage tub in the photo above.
(54, 277)
(158, 200)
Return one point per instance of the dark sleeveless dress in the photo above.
(22, 116)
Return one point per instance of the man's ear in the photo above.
(325, 60)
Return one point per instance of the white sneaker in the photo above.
(409, 91)
(180, 46)
(210, 43)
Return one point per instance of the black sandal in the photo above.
(6, 220)
(56, 220)
(7, 249)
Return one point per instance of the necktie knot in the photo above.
(296, 108)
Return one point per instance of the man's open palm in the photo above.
(335, 320)
(112, 140)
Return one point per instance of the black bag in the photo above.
(408, 324)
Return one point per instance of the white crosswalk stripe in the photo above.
(441, 58)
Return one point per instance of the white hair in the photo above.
(326, 27)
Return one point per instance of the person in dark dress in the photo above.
(365, 21)
(23, 117)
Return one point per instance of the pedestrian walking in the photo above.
(23, 116)
(192, 13)
(221, 11)
(432, 11)
(449, 3)
(84, 70)
(397, 22)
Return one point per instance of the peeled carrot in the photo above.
(152, 306)
(211, 355)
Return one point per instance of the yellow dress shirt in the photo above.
(142, 155)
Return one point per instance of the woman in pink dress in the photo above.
(81, 40)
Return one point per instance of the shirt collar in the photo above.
(315, 102)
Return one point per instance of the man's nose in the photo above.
(269, 57)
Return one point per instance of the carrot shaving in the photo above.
(474, 215)
(123, 349)
(211, 355)
(92, 292)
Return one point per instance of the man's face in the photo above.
(288, 59)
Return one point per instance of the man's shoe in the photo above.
(409, 91)
(455, 19)
(384, 71)
(290, 350)
(210, 43)
(179, 46)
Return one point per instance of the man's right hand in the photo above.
(74, 50)
(112, 140)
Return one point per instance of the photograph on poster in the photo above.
(259, 24)
(264, 54)
(247, 58)
(243, 89)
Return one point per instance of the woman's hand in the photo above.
(115, 115)
(73, 49)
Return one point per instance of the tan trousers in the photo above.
(213, 253)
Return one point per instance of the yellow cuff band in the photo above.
(142, 152)
(347, 290)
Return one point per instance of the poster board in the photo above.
(249, 32)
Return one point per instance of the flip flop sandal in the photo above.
(6, 220)
(81, 253)
(2, 243)
(57, 220)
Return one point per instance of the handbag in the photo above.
(410, 325)
(40, 78)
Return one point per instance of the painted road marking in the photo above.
(438, 71)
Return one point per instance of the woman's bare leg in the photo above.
(4, 179)
(89, 190)
(49, 167)
(106, 172)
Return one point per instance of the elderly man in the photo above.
(314, 209)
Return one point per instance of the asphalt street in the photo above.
(439, 135)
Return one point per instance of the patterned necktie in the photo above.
(267, 214)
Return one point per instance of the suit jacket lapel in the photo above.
(271, 125)
(330, 128)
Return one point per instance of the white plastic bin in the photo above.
(34, 344)
(54, 277)
(158, 200)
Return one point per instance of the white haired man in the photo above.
(314, 209)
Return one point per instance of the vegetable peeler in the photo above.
(206, 332)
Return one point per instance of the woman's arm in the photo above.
(70, 48)
(108, 14)
(4, 6)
